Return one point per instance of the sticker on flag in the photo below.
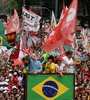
(50, 87)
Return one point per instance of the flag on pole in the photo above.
(64, 31)
(75, 44)
(14, 24)
(53, 21)
(30, 20)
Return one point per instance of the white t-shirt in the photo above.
(60, 67)
(20, 81)
(67, 61)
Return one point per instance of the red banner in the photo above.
(11, 38)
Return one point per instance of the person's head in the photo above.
(84, 97)
(69, 54)
(5, 58)
(34, 57)
(14, 90)
(7, 95)
(20, 73)
(59, 59)
(50, 59)
(25, 60)
(15, 74)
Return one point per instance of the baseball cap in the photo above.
(59, 58)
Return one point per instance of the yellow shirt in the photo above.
(47, 70)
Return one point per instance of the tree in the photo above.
(8, 6)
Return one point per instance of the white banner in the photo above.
(30, 20)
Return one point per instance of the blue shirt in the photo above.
(34, 66)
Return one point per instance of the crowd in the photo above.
(12, 78)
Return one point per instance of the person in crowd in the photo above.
(32, 65)
(20, 79)
(60, 67)
(50, 65)
(68, 61)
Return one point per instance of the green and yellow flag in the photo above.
(3, 41)
(50, 87)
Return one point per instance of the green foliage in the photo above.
(8, 6)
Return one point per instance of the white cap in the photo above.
(6, 80)
(75, 88)
(10, 70)
(5, 91)
(5, 88)
(14, 87)
(1, 88)
(3, 83)
(15, 73)
(10, 75)
(19, 71)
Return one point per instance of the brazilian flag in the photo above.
(50, 87)
(3, 41)
(44, 57)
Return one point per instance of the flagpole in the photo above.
(56, 7)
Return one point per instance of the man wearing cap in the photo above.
(32, 65)
(68, 61)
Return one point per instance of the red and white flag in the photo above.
(64, 31)
(30, 20)
(14, 23)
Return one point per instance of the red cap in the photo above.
(59, 58)
(88, 54)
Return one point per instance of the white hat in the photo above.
(19, 71)
(10, 70)
(5, 91)
(1, 88)
(0, 83)
(76, 88)
(3, 83)
(15, 73)
(5, 88)
(6, 80)
(14, 87)
(10, 75)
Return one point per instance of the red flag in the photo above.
(15, 53)
(62, 51)
(63, 33)
(64, 7)
(14, 24)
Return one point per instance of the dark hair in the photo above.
(25, 58)
(69, 52)
(51, 57)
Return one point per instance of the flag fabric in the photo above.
(3, 41)
(64, 31)
(15, 52)
(53, 21)
(30, 20)
(50, 87)
(18, 37)
(11, 38)
(63, 11)
(14, 24)
(62, 51)
(75, 44)
(44, 57)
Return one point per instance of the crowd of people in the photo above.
(12, 78)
